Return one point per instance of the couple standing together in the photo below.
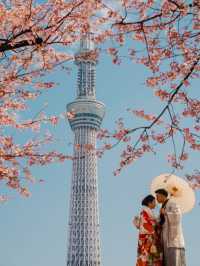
(161, 241)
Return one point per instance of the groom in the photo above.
(172, 235)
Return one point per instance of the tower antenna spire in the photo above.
(86, 68)
(86, 43)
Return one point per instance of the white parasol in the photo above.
(179, 190)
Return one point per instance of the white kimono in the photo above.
(172, 234)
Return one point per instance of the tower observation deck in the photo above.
(84, 230)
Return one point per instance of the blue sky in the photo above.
(34, 231)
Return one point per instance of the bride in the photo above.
(149, 252)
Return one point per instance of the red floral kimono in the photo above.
(149, 246)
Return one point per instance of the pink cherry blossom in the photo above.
(162, 36)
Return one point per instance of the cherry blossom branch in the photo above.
(166, 108)
(6, 46)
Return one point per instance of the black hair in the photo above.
(162, 191)
(148, 199)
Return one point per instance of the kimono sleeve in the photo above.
(147, 224)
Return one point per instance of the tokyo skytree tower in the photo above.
(84, 231)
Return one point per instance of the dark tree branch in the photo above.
(7, 46)
(166, 108)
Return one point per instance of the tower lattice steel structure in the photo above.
(84, 231)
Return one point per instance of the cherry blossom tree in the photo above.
(35, 38)
(38, 36)
(164, 37)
